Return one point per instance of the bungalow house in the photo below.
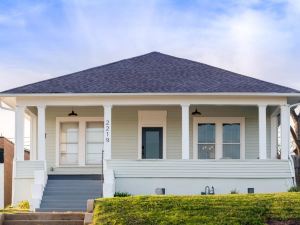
(151, 124)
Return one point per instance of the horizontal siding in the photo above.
(201, 168)
(25, 169)
(125, 129)
(51, 114)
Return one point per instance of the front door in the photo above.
(152, 143)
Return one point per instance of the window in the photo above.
(206, 141)
(94, 142)
(231, 141)
(219, 138)
(1, 155)
(79, 141)
(69, 143)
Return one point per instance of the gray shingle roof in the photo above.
(152, 73)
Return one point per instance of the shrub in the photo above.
(294, 189)
(238, 209)
(122, 194)
(23, 205)
(234, 191)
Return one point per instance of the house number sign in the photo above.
(107, 131)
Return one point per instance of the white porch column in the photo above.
(107, 131)
(41, 133)
(185, 110)
(19, 132)
(33, 137)
(274, 136)
(285, 131)
(262, 131)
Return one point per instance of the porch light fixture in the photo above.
(72, 113)
(196, 113)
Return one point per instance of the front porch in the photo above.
(232, 144)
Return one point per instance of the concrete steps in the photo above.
(44, 219)
(70, 192)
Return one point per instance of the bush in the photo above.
(238, 209)
(23, 205)
(294, 189)
(234, 191)
(122, 194)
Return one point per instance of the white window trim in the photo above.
(152, 118)
(81, 141)
(219, 137)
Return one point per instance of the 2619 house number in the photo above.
(107, 131)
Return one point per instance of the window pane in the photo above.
(231, 151)
(206, 133)
(94, 142)
(69, 135)
(68, 159)
(206, 151)
(231, 133)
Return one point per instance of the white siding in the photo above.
(25, 169)
(51, 114)
(125, 129)
(201, 168)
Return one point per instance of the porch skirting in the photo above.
(140, 177)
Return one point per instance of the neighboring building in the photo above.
(162, 121)
(6, 159)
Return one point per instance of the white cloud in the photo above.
(256, 38)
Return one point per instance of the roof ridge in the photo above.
(151, 72)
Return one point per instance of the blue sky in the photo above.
(44, 39)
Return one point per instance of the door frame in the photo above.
(160, 130)
(152, 118)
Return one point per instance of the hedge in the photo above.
(237, 209)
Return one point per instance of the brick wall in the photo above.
(8, 165)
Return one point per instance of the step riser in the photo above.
(70, 193)
(45, 216)
(61, 210)
(43, 222)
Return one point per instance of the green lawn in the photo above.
(235, 209)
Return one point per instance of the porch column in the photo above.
(274, 136)
(262, 131)
(185, 110)
(41, 133)
(285, 131)
(33, 139)
(19, 133)
(107, 131)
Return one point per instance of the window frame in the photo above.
(206, 143)
(219, 121)
(81, 141)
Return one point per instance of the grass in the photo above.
(237, 209)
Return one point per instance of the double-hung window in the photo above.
(69, 137)
(80, 141)
(206, 140)
(219, 138)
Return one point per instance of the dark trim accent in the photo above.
(75, 177)
(160, 130)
